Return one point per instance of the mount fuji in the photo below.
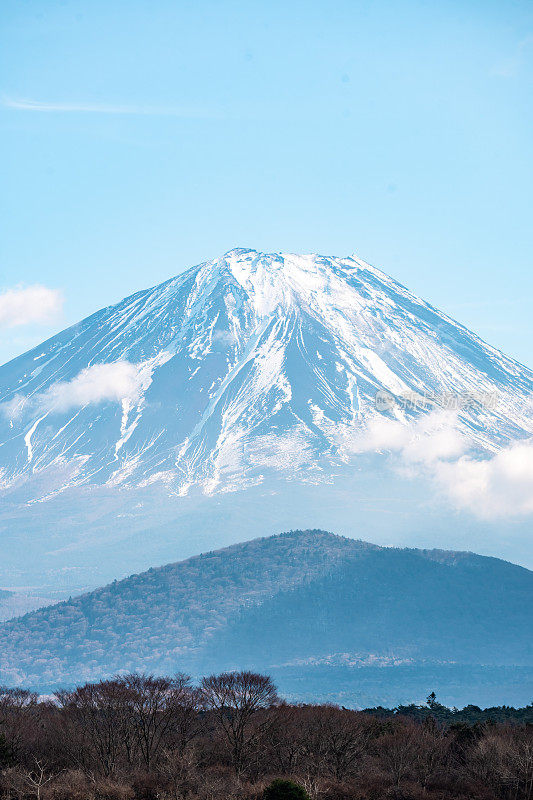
(248, 372)
(248, 363)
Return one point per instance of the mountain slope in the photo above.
(243, 366)
(297, 598)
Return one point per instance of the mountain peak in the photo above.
(248, 365)
(295, 268)
(235, 252)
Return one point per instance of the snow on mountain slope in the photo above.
(251, 363)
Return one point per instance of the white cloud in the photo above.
(30, 304)
(494, 487)
(429, 438)
(114, 382)
(119, 382)
(433, 447)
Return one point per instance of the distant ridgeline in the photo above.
(469, 715)
(330, 618)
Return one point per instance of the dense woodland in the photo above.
(138, 737)
(297, 598)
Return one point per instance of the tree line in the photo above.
(140, 737)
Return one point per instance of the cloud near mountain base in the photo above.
(494, 487)
(433, 446)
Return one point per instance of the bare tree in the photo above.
(129, 720)
(398, 752)
(504, 760)
(27, 783)
(432, 751)
(285, 740)
(97, 727)
(37, 778)
(180, 771)
(17, 717)
(342, 737)
(237, 700)
(141, 736)
(162, 708)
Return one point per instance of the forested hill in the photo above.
(303, 597)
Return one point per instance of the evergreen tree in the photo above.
(285, 790)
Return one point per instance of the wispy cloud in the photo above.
(27, 104)
(95, 384)
(29, 304)
(98, 383)
(426, 440)
(115, 382)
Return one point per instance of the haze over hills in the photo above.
(306, 600)
(254, 374)
(13, 604)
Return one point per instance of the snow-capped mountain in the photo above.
(249, 364)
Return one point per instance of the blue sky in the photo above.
(139, 138)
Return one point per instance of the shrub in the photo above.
(285, 790)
